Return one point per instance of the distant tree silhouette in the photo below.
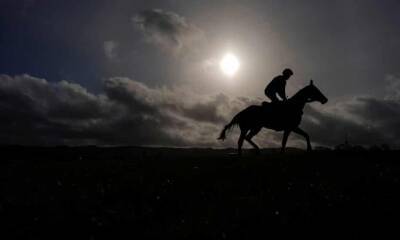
(280, 116)
(322, 148)
(346, 146)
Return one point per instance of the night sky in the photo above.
(129, 72)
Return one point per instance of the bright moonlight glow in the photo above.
(229, 64)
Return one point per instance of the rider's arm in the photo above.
(282, 92)
(266, 91)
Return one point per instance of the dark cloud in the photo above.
(34, 111)
(168, 30)
(381, 115)
(330, 130)
(364, 121)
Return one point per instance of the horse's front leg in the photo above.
(286, 134)
(305, 135)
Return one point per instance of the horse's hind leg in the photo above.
(251, 134)
(286, 134)
(240, 141)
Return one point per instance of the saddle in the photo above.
(276, 109)
(279, 104)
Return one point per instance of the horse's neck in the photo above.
(299, 100)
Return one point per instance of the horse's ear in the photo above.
(311, 82)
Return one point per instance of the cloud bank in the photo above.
(34, 111)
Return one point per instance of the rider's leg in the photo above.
(272, 97)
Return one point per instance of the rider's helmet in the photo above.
(287, 72)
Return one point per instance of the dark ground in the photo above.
(100, 193)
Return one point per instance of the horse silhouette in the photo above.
(281, 116)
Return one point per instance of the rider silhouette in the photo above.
(277, 86)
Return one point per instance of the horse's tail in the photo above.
(234, 121)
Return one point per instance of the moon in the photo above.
(229, 64)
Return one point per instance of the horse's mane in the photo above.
(299, 93)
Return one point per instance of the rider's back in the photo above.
(277, 85)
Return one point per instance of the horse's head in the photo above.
(314, 94)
